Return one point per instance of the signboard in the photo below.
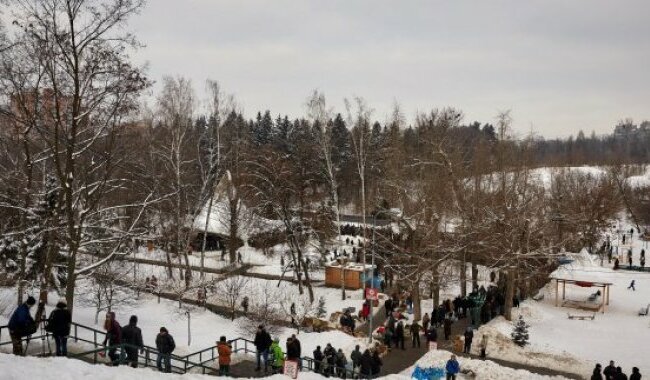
(433, 346)
(372, 294)
(291, 368)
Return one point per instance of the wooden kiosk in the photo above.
(353, 273)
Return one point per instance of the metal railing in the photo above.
(179, 364)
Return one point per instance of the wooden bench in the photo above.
(582, 317)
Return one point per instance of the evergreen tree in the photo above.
(262, 128)
(520, 333)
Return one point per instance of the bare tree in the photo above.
(230, 291)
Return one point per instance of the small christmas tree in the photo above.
(520, 332)
(321, 312)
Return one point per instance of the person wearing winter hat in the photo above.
(165, 345)
(132, 337)
(21, 324)
(59, 325)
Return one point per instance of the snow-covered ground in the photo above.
(575, 346)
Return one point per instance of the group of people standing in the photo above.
(612, 372)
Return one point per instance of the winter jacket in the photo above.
(399, 330)
(114, 332)
(318, 355)
(635, 375)
(596, 375)
(165, 343)
(469, 336)
(609, 372)
(366, 363)
(620, 376)
(355, 356)
(376, 364)
(277, 355)
(21, 321)
(415, 329)
(131, 334)
(293, 350)
(330, 354)
(452, 366)
(59, 321)
(341, 360)
(298, 347)
(262, 340)
(224, 351)
(432, 335)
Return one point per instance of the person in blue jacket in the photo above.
(452, 368)
(21, 324)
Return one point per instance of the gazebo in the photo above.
(591, 303)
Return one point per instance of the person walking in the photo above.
(277, 356)
(262, 345)
(636, 375)
(113, 337)
(399, 335)
(596, 375)
(165, 345)
(415, 334)
(59, 325)
(425, 322)
(484, 343)
(432, 334)
(21, 324)
(225, 352)
(447, 327)
(631, 286)
(452, 368)
(469, 336)
(132, 336)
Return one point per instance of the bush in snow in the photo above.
(520, 333)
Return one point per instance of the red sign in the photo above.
(372, 294)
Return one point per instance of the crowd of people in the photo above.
(613, 372)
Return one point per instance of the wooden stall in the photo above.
(353, 273)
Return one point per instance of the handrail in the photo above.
(187, 363)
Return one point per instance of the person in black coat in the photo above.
(376, 364)
(293, 351)
(596, 375)
(132, 336)
(366, 364)
(399, 335)
(262, 343)
(330, 359)
(165, 345)
(318, 359)
(59, 325)
(469, 336)
(619, 374)
(636, 375)
(610, 371)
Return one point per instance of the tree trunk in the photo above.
(463, 277)
(474, 276)
(510, 293)
(417, 302)
(205, 235)
(234, 227)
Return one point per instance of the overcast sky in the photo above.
(560, 66)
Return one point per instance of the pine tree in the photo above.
(520, 333)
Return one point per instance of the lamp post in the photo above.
(372, 276)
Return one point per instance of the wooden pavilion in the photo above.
(592, 303)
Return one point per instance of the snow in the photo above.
(481, 369)
(574, 345)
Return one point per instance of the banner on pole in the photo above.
(291, 368)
